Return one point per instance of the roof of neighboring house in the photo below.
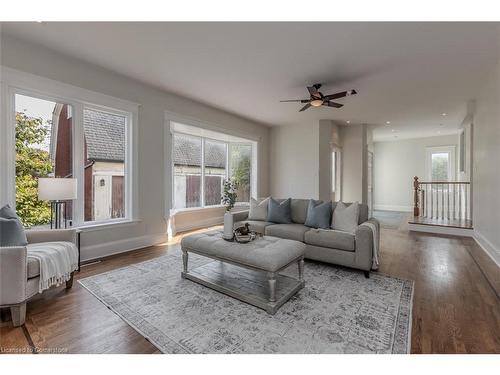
(105, 135)
(187, 151)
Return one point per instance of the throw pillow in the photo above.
(318, 214)
(279, 213)
(345, 218)
(11, 228)
(258, 210)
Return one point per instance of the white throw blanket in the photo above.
(57, 261)
(376, 242)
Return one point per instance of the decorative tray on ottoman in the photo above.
(243, 234)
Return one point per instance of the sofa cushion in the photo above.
(258, 209)
(363, 211)
(279, 212)
(318, 214)
(33, 268)
(345, 218)
(330, 238)
(288, 231)
(299, 210)
(255, 225)
(11, 228)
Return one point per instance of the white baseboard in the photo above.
(441, 230)
(198, 224)
(121, 246)
(492, 251)
(386, 207)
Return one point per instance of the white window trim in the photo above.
(17, 82)
(170, 119)
(452, 166)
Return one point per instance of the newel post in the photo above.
(416, 209)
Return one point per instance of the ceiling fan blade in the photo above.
(295, 100)
(340, 94)
(313, 90)
(305, 107)
(333, 104)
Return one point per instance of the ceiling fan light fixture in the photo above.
(316, 103)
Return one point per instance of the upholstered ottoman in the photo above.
(248, 272)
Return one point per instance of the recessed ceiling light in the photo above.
(348, 121)
(388, 122)
(443, 114)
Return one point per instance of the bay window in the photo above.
(202, 160)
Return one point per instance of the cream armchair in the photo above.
(19, 276)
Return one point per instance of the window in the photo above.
(104, 165)
(335, 173)
(215, 164)
(187, 171)
(59, 138)
(240, 156)
(44, 148)
(441, 163)
(202, 160)
(440, 166)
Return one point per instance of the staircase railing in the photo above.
(442, 200)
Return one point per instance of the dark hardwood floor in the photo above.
(456, 307)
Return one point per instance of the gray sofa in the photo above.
(326, 245)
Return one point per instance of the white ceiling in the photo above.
(405, 73)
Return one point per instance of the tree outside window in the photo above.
(31, 162)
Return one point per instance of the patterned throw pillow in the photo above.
(279, 213)
(318, 214)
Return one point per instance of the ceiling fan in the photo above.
(317, 99)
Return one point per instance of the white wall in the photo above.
(353, 142)
(301, 160)
(328, 133)
(395, 165)
(294, 161)
(486, 162)
(40, 61)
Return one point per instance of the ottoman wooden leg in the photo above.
(272, 287)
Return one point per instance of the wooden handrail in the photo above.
(443, 182)
(441, 199)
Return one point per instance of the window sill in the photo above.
(238, 207)
(106, 225)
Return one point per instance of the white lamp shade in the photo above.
(56, 189)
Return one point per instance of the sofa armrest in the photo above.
(239, 215)
(13, 274)
(365, 245)
(51, 235)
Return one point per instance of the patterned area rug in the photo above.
(338, 311)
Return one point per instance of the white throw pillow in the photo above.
(346, 218)
(258, 210)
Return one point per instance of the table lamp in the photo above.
(58, 191)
